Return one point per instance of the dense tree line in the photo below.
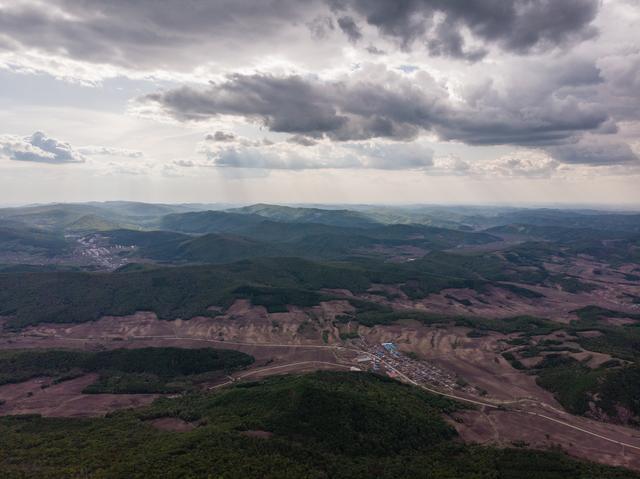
(144, 370)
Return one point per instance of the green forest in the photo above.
(321, 425)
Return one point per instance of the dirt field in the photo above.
(506, 428)
(39, 396)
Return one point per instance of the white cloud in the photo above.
(39, 148)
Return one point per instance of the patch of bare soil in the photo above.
(591, 359)
(507, 428)
(40, 396)
(590, 334)
(619, 321)
(507, 242)
(398, 254)
(241, 322)
(530, 362)
(614, 291)
(172, 424)
(497, 302)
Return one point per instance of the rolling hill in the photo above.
(290, 214)
(319, 425)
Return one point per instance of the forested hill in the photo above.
(322, 425)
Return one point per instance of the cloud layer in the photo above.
(148, 34)
(398, 106)
(521, 88)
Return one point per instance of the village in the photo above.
(94, 249)
(386, 358)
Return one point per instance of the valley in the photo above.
(535, 337)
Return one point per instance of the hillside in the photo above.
(208, 222)
(559, 233)
(187, 291)
(17, 238)
(137, 371)
(184, 292)
(308, 215)
(629, 222)
(320, 425)
(310, 240)
(91, 223)
(173, 292)
(60, 216)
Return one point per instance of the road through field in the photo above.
(498, 405)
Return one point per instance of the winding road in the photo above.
(496, 404)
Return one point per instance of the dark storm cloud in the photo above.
(448, 41)
(173, 33)
(293, 104)
(147, 33)
(38, 148)
(321, 26)
(516, 25)
(350, 28)
(399, 108)
(551, 122)
(284, 104)
(595, 153)
(302, 140)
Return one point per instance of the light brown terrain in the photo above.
(612, 291)
(40, 396)
(508, 428)
(511, 407)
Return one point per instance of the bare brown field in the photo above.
(508, 428)
(556, 304)
(40, 396)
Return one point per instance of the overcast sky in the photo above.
(403, 101)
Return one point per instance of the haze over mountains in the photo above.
(193, 233)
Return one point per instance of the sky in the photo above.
(320, 101)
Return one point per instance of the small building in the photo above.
(390, 347)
